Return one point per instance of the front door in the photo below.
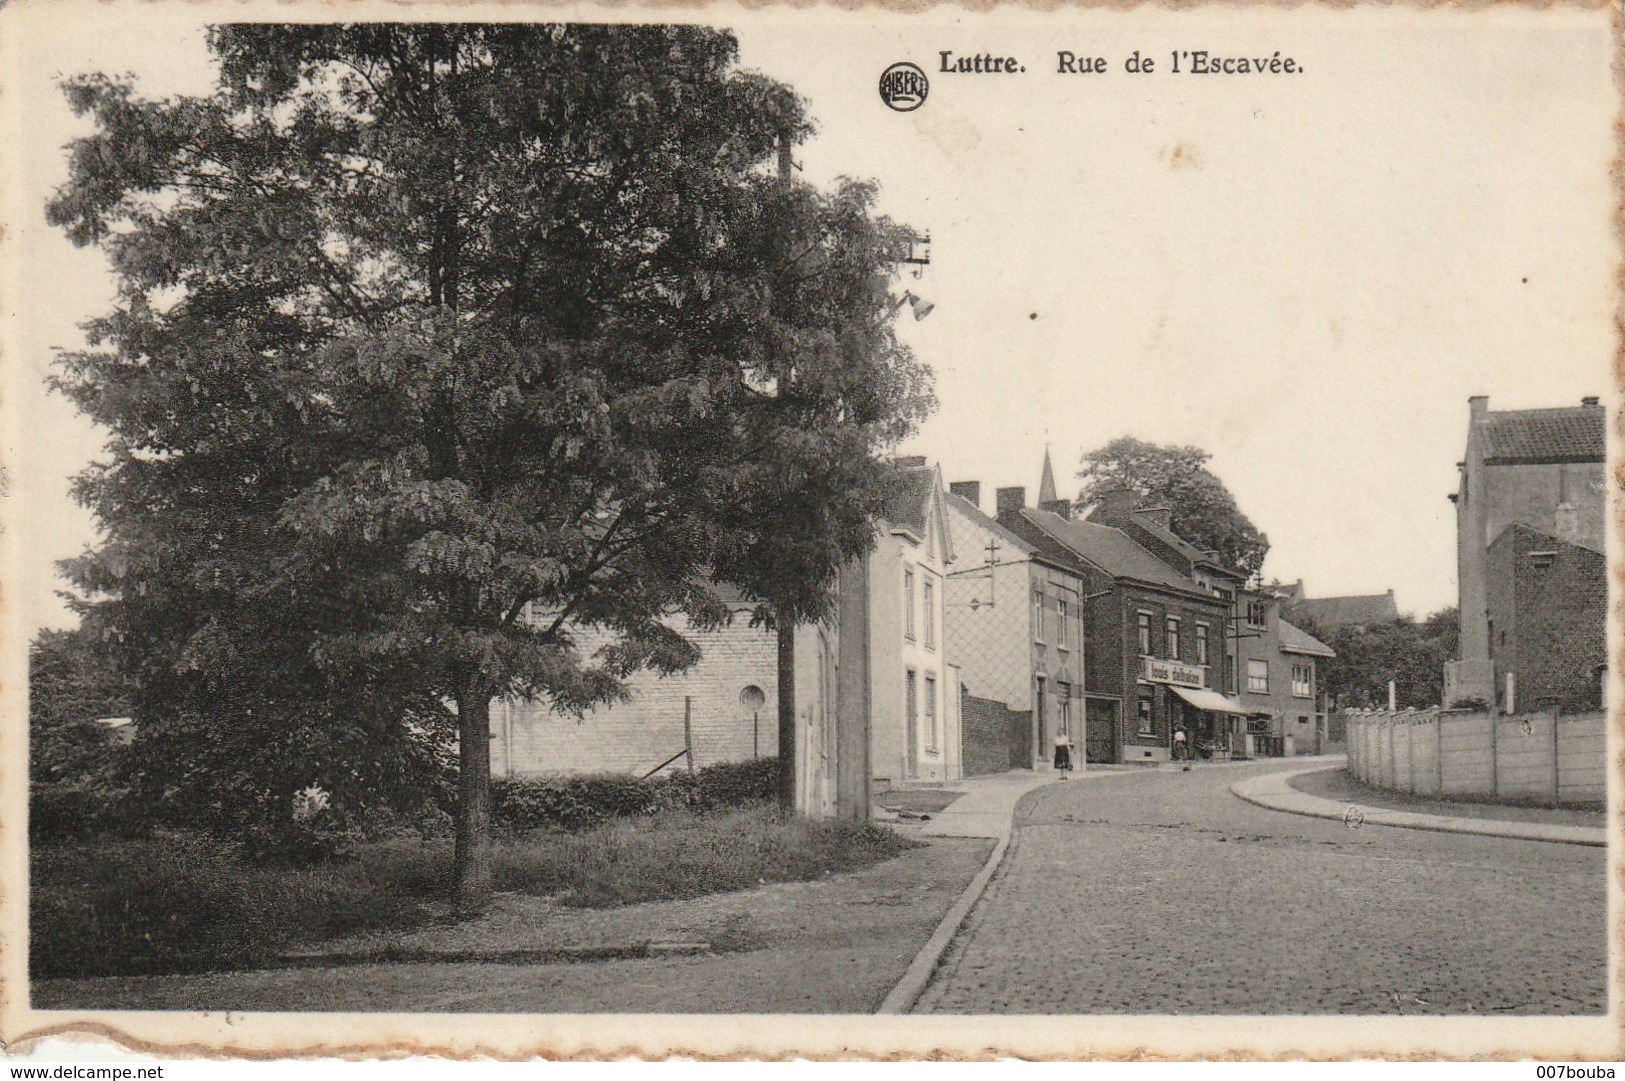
(1100, 737)
(1040, 717)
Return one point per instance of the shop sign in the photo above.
(1153, 670)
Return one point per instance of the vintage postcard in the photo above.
(1057, 531)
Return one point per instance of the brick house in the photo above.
(727, 699)
(1547, 605)
(876, 698)
(1014, 623)
(913, 690)
(1154, 636)
(1277, 679)
(1540, 468)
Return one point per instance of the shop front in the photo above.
(1215, 725)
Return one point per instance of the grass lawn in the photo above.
(1340, 785)
(186, 904)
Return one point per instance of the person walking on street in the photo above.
(1063, 752)
(1182, 748)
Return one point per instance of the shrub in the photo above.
(186, 903)
(577, 803)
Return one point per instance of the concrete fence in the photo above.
(1527, 758)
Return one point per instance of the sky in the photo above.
(1306, 275)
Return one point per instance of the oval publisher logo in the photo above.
(903, 87)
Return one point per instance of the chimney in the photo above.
(1011, 502)
(1115, 506)
(912, 461)
(1566, 522)
(1591, 400)
(1062, 507)
(1478, 405)
(1163, 516)
(968, 490)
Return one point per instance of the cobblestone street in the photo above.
(1161, 892)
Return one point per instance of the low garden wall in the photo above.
(1531, 758)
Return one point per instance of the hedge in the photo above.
(577, 803)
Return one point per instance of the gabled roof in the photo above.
(961, 505)
(1531, 436)
(915, 497)
(1112, 550)
(1334, 613)
(1297, 640)
(909, 499)
(1055, 554)
(1545, 535)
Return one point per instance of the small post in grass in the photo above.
(688, 730)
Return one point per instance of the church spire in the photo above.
(1046, 484)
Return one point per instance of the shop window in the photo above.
(1144, 708)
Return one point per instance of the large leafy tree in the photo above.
(436, 343)
(1410, 653)
(1204, 511)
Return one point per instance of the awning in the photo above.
(1212, 701)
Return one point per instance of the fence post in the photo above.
(1557, 761)
(1438, 745)
(1495, 755)
(1410, 755)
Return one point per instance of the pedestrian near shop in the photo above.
(1063, 752)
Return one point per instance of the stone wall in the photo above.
(1531, 758)
(989, 730)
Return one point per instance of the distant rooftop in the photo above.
(1297, 640)
(1335, 613)
(1532, 436)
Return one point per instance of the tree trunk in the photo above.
(471, 864)
(787, 716)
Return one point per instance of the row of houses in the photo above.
(970, 640)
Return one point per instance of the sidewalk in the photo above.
(987, 809)
(1275, 792)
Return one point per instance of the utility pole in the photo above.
(783, 623)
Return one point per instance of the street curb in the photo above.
(548, 955)
(1273, 791)
(902, 997)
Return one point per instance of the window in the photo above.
(1062, 639)
(930, 595)
(908, 603)
(911, 705)
(1038, 615)
(1255, 613)
(1201, 643)
(1173, 638)
(1300, 680)
(931, 713)
(1145, 634)
(1145, 716)
(1063, 691)
(1258, 677)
